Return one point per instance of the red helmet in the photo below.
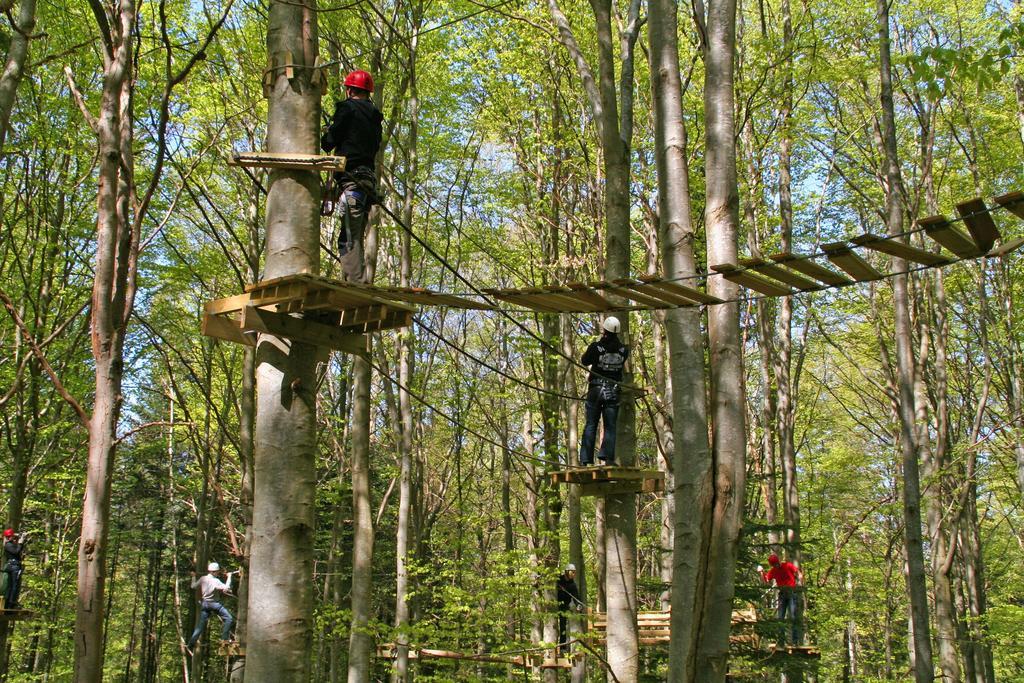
(773, 560)
(8, 533)
(359, 79)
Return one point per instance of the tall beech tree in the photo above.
(280, 614)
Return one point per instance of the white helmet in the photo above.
(213, 567)
(612, 324)
(570, 567)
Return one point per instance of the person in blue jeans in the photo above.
(606, 358)
(210, 590)
(786, 576)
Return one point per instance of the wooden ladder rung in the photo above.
(751, 280)
(1012, 202)
(894, 247)
(811, 269)
(779, 273)
(979, 222)
(841, 255)
(946, 234)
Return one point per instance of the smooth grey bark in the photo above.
(246, 431)
(905, 363)
(280, 629)
(728, 446)
(691, 457)
(14, 66)
(405, 373)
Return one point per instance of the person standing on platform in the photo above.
(606, 358)
(355, 133)
(786, 576)
(568, 602)
(210, 590)
(14, 556)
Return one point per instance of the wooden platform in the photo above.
(654, 628)
(605, 480)
(230, 648)
(16, 614)
(294, 162)
(389, 651)
(334, 314)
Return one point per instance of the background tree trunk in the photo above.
(905, 367)
(728, 400)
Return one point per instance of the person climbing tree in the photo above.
(786, 576)
(354, 133)
(14, 554)
(568, 603)
(606, 358)
(209, 587)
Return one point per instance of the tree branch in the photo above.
(38, 353)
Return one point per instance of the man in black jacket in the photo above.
(568, 602)
(606, 358)
(354, 133)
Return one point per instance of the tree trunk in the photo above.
(112, 301)
(405, 373)
(728, 450)
(14, 68)
(691, 460)
(905, 368)
(279, 634)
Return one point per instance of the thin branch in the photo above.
(80, 101)
(38, 353)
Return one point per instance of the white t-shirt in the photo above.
(209, 585)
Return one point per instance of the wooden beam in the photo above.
(557, 300)
(666, 297)
(627, 287)
(227, 305)
(682, 290)
(590, 296)
(810, 268)
(586, 304)
(1012, 202)
(946, 234)
(894, 247)
(844, 257)
(297, 329)
(979, 222)
(1006, 248)
(513, 296)
(779, 273)
(605, 488)
(222, 327)
(297, 162)
(751, 280)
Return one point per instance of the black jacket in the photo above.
(14, 551)
(568, 594)
(355, 132)
(606, 357)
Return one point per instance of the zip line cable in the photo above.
(419, 321)
(441, 259)
(455, 421)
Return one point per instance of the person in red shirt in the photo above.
(786, 576)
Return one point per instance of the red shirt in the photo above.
(784, 574)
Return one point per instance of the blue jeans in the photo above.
(208, 607)
(602, 404)
(789, 611)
